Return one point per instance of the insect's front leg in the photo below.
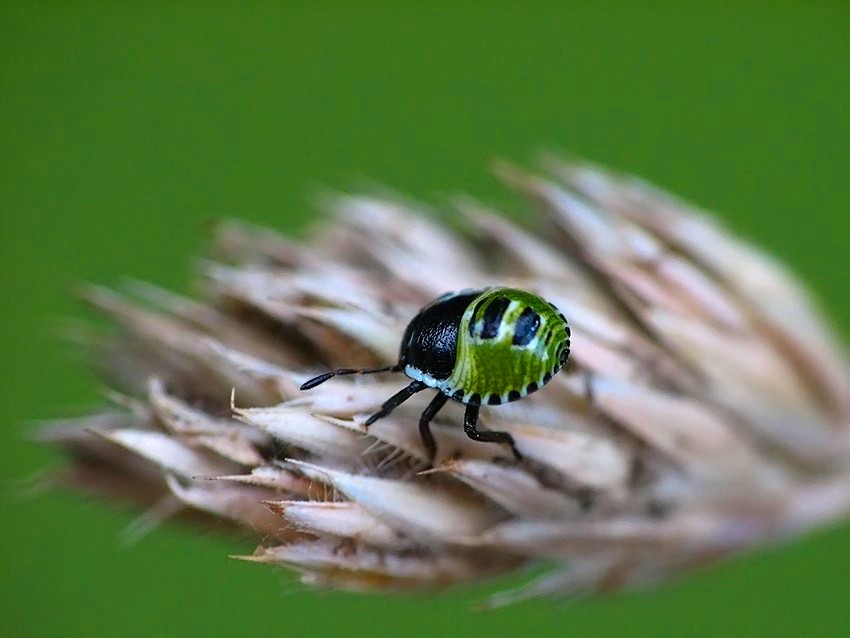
(396, 400)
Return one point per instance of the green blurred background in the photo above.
(123, 129)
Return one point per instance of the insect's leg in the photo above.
(470, 419)
(312, 383)
(396, 400)
(588, 387)
(425, 425)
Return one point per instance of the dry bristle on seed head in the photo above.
(706, 409)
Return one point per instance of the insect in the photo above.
(478, 347)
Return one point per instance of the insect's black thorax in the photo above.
(430, 340)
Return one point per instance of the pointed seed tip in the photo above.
(446, 466)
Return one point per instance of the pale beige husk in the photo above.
(705, 409)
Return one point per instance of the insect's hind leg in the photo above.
(470, 420)
(589, 382)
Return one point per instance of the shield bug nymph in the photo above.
(478, 347)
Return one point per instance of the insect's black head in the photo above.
(430, 341)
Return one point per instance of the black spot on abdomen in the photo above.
(493, 317)
(526, 327)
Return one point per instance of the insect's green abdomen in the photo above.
(510, 342)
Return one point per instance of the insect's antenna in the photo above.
(312, 383)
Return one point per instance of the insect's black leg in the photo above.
(396, 400)
(425, 425)
(312, 383)
(470, 419)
